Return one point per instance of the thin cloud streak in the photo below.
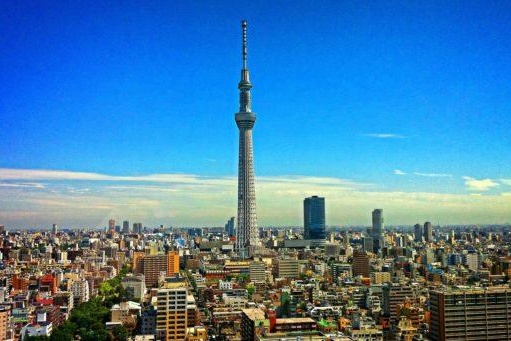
(22, 185)
(386, 136)
(398, 172)
(433, 175)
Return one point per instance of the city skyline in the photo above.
(403, 107)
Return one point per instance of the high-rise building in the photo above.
(417, 233)
(229, 227)
(367, 243)
(172, 263)
(4, 322)
(126, 227)
(55, 229)
(360, 265)
(314, 218)
(470, 314)
(377, 230)
(428, 232)
(137, 228)
(247, 238)
(154, 266)
(257, 272)
(111, 226)
(172, 317)
(393, 296)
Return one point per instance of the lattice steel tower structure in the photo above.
(247, 234)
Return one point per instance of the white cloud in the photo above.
(386, 136)
(77, 199)
(22, 185)
(506, 181)
(433, 175)
(479, 185)
(399, 172)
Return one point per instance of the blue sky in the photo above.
(398, 105)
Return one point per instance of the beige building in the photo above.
(196, 334)
(380, 277)
(288, 268)
(4, 322)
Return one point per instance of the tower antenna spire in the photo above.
(244, 42)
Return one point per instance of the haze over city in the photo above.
(127, 110)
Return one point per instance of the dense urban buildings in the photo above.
(246, 230)
(167, 283)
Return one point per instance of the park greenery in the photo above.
(87, 320)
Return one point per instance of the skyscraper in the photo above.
(377, 230)
(229, 227)
(314, 218)
(417, 233)
(428, 232)
(126, 227)
(246, 232)
(111, 226)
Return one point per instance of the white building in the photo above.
(225, 285)
(36, 329)
(80, 289)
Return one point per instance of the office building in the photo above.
(247, 237)
(314, 218)
(137, 228)
(428, 232)
(257, 271)
(470, 314)
(126, 227)
(229, 227)
(367, 243)
(377, 230)
(288, 268)
(111, 226)
(417, 233)
(393, 296)
(360, 265)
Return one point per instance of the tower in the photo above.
(246, 232)
(314, 218)
(377, 229)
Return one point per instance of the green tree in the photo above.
(37, 338)
(119, 333)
